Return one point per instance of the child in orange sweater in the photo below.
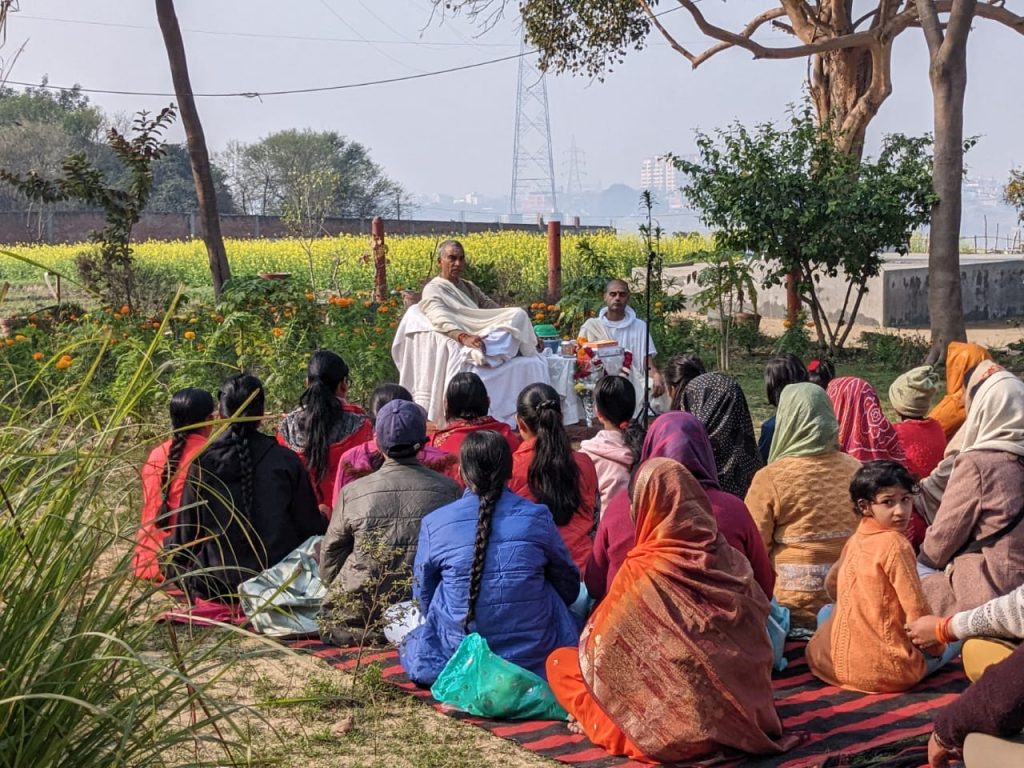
(862, 643)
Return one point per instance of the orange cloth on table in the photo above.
(863, 645)
(151, 534)
(676, 655)
(960, 358)
(575, 533)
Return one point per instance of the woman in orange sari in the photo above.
(674, 664)
(960, 358)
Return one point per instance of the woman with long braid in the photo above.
(248, 502)
(518, 600)
(324, 425)
(163, 476)
(546, 469)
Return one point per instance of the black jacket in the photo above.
(217, 543)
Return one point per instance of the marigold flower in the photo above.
(552, 308)
(65, 361)
(310, 296)
(277, 331)
(9, 342)
(19, 337)
(383, 309)
(125, 309)
(538, 317)
(190, 335)
(37, 355)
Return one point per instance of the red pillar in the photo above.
(554, 261)
(792, 297)
(380, 264)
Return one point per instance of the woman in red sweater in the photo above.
(546, 470)
(164, 473)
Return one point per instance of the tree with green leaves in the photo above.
(271, 176)
(1013, 193)
(109, 271)
(794, 200)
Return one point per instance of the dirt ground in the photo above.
(991, 335)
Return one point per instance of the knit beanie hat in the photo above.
(911, 394)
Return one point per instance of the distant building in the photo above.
(659, 175)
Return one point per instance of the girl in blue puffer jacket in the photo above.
(493, 563)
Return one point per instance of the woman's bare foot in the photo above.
(574, 726)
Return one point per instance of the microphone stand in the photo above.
(648, 203)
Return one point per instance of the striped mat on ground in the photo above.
(836, 727)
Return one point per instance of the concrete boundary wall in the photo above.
(992, 288)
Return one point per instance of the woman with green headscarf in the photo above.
(801, 500)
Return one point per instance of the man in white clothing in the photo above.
(459, 309)
(618, 321)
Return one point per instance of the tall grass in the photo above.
(87, 676)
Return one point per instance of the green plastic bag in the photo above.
(478, 681)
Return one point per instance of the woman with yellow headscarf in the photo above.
(960, 358)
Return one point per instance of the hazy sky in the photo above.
(453, 133)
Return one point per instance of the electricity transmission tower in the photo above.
(577, 170)
(533, 165)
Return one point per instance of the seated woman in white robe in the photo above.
(461, 311)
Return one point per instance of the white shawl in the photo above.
(995, 418)
(449, 309)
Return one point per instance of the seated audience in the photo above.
(721, 406)
(821, 372)
(164, 473)
(383, 509)
(466, 408)
(951, 411)
(493, 563)
(861, 643)
(365, 458)
(614, 450)
(800, 501)
(324, 426)
(778, 372)
(974, 549)
(546, 470)
(681, 437)
(680, 371)
(984, 725)
(864, 430)
(675, 663)
(247, 503)
(461, 311)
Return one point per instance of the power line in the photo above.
(267, 36)
(287, 92)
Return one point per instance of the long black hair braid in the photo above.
(486, 462)
(233, 395)
(188, 407)
(553, 477)
(321, 407)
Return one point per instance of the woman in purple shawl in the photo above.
(679, 436)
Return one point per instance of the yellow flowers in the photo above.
(19, 337)
(37, 356)
(65, 361)
(278, 332)
(190, 335)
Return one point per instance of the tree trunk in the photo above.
(948, 75)
(209, 219)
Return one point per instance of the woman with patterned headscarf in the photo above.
(865, 432)
(801, 500)
(675, 664)
(719, 403)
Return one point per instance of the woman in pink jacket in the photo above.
(614, 450)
